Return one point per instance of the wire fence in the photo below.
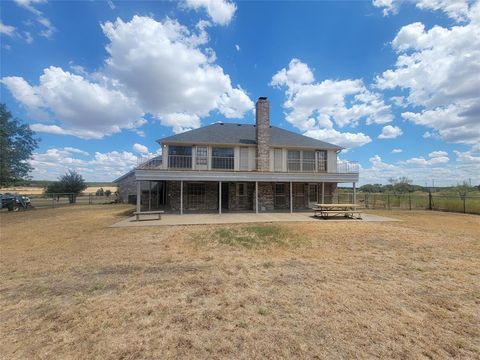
(429, 201)
(40, 201)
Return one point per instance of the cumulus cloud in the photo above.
(343, 139)
(161, 68)
(439, 69)
(397, 151)
(169, 72)
(54, 162)
(237, 47)
(435, 157)
(220, 11)
(139, 148)
(315, 107)
(390, 132)
(86, 109)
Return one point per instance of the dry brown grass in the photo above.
(74, 289)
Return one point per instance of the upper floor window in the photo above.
(202, 153)
(180, 157)
(293, 162)
(321, 160)
(308, 161)
(222, 158)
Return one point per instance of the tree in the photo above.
(71, 183)
(401, 185)
(17, 142)
(108, 193)
(100, 192)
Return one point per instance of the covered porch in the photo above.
(184, 197)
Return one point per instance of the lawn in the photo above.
(72, 288)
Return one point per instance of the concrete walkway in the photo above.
(239, 218)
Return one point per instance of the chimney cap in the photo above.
(262, 98)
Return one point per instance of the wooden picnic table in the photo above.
(347, 210)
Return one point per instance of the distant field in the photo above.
(72, 288)
(36, 190)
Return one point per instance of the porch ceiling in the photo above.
(243, 176)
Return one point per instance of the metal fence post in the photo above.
(410, 201)
(429, 200)
(388, 201)
(53, 200)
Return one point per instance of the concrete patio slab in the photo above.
(240, 218)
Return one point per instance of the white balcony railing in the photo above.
(216, 163)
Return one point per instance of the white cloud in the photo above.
(315, 107)
(220, 11)
(397, 151)
(390, 132)
(436, 157)
(169, 72)
(101, 167)
(48, 28)
(313, 103)
(7, 29)
(343, 139)
(421, 170)
(468, 157)
(455, 9)
(237, 47)
(439, 153)
(139, 148)
(86, 109)
(439, 68)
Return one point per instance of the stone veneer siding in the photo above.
(262, 117)
(127, 186)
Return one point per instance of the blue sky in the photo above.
(395, 82)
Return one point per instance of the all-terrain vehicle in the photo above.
(14, 202)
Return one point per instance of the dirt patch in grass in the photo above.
(74, 288)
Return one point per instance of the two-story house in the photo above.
(238, 167)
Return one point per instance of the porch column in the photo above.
(323, 193)
(256, 197)
(291, 198)
(354, 193)
(219, 197)
(149, 195)
(138, 195)
(181, 197)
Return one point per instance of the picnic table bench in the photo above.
(347, 210)
(156, 212)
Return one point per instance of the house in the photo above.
(238, 167)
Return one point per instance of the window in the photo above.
(293, 163)
(244, 158)
(202, 155)
(180, 157)
(222, 158)
(196, 196)
(278, 159)
(308, 161)
(321, 160)
(241, 189)
(280, 189)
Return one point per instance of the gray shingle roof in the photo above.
(244, 134)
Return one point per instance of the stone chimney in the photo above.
(262, 118)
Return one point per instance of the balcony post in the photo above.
(149, 195)
(354, 193)
(291, 198)
(323, 192)
(138, 195)
(256, 197)
(181, 197)
(219, 197)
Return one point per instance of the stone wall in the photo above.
(262, 117)
(265, 196)
(127, 186)
(241, 202)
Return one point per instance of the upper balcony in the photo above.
(228, 164)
